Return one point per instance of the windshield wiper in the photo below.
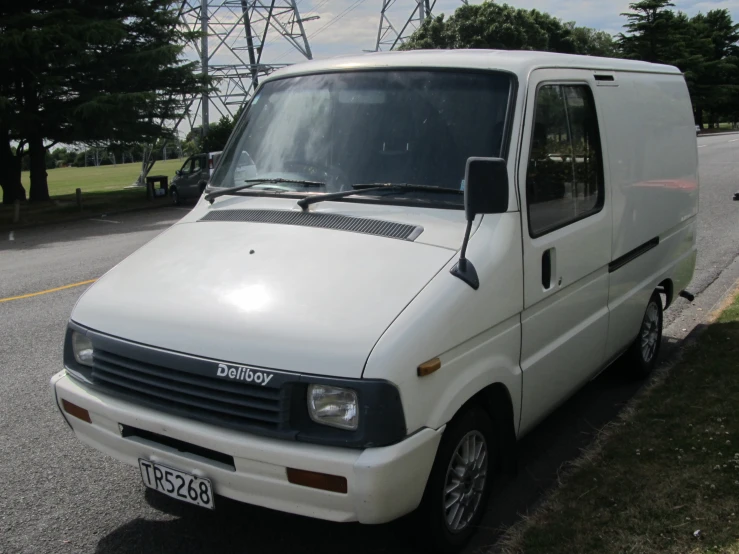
(374, 187)
(253, 182)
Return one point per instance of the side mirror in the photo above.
(485, 192)
(485, 187)
(178, 172)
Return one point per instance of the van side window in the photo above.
(564, 180)
(198, 164)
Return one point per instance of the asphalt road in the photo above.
(60, 496)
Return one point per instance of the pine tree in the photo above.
(80, 71)
(704, 48)
(649, 30)
(715, 81)
(10, 156)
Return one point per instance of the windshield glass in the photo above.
(350, 128)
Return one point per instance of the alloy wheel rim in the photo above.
(650, 332)
(465, 481)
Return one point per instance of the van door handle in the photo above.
(546, 269)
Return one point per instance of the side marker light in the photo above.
(427, 368)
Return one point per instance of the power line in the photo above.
(315, 8)
(305, 16)
(338, 17)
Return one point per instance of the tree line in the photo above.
(112, 154)
(111, 72)
(704, 47)
(75, 71)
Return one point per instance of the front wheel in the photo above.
(175, 197)
(645, 349)
(460, 483)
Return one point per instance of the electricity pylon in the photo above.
(396, 27)
(234, 35)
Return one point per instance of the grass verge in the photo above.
(103, 191)
(664, 477)
(719, 131)
(64, 208)
(105, 178)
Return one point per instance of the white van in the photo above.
(433, 250)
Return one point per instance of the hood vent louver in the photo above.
(337, 222)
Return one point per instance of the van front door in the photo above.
(185, 173)
(189, 187)
(199, 174)
(566, 241)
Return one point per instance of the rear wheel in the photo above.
(645, 349)
(460, 483)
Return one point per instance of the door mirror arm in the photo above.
(485, 192)
(464, 269)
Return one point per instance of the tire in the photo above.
(447, 531)
(644, 352)
(176, 200)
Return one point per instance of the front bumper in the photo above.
(383, 483)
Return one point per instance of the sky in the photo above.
(357, 29)
(351, 26)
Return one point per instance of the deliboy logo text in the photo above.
(241, 373)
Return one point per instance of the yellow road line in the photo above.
(47, 291)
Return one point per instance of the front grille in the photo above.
(207, 399)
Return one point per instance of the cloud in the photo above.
(350, 26)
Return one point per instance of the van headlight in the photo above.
(82, 349)
(334, 406)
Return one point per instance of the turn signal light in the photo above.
(323, 481)
(427, 368)
(76, 411)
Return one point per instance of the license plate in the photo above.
(177, 484)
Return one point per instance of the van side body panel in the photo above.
(564, 325)
(632, 285)
(475, 333)
(653, 166)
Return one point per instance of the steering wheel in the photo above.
(329, 174)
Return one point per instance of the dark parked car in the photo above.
(190, 180)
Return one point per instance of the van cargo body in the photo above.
(401, 264)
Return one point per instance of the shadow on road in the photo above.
(235, 527)
(93, 226)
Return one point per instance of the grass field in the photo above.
(664, 478)
(64, 180)
(103, 191)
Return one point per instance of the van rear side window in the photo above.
(564, 180)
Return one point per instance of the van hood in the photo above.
(299, 299)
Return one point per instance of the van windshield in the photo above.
(349, 128)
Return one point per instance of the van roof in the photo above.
(519, 62)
